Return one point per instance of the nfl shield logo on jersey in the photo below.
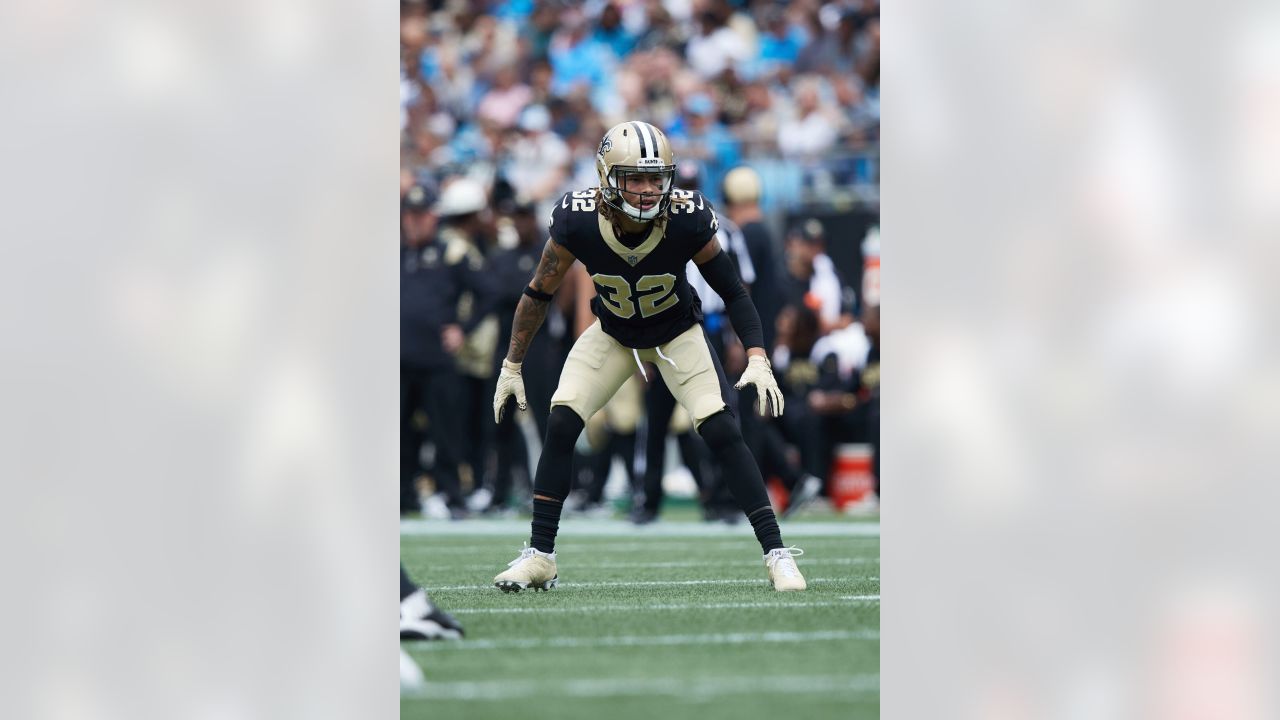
(633, 260)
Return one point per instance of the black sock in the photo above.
(555, 470)
(765, 523)
(742, 475)
(407, 587)
(546, 522)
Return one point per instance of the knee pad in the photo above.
(563, 427)
(720, 430)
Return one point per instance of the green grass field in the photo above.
(674, 620)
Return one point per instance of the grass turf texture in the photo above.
(643, 625)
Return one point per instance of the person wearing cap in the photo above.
(519, 247)
(812, 280)
(742, 192)
(434, 273)
(464, 228)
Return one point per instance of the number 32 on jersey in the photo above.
(653, 293)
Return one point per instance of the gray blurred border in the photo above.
(1080, 216)
(199, 343)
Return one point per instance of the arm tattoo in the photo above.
(529, 316)
(548, 269)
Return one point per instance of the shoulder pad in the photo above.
(691, 209)
(574, 210)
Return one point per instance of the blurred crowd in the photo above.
(517, 94)
(503, 105)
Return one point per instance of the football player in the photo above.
(634, 234)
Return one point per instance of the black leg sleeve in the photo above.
(743, 477)
(555, 469)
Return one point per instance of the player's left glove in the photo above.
(509, 383)
(760, 374)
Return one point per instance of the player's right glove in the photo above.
(509, 383)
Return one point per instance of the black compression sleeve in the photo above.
(722, 276)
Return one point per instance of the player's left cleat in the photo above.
(783, 573)
(420, 619)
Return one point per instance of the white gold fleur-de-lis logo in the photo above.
(633, 259)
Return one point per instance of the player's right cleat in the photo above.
(783, 573)
(533, 569)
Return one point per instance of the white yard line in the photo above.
(656, 546)
(652, 583)
(441, 567)
(572, 528)
(678, 687)
(641, 640)
(843, 602)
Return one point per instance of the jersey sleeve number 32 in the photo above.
(653, 292)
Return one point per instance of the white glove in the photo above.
(760, 374)
(509, 383)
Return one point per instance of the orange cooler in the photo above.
(851, 479)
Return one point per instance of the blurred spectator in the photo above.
(797, 332)
(742, 190)
(716, 46)
(434, 273)
(506, 99)
(520, 238)
(699, 136)
(578, 60)
(544, 23)
(811, 132)
(538, 160)
(847, 400)
(780, 45)
(662, 30)
(811, 279)
(462, 209)
(611, 34)
(541, 76)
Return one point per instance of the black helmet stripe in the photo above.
(644, 152)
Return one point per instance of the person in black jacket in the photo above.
(433, 274)
(509, 267)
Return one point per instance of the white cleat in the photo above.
(420, 619)
(533, 569)
(783, 573)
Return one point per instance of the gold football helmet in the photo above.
(632, 148)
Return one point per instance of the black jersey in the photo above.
(642, 297)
